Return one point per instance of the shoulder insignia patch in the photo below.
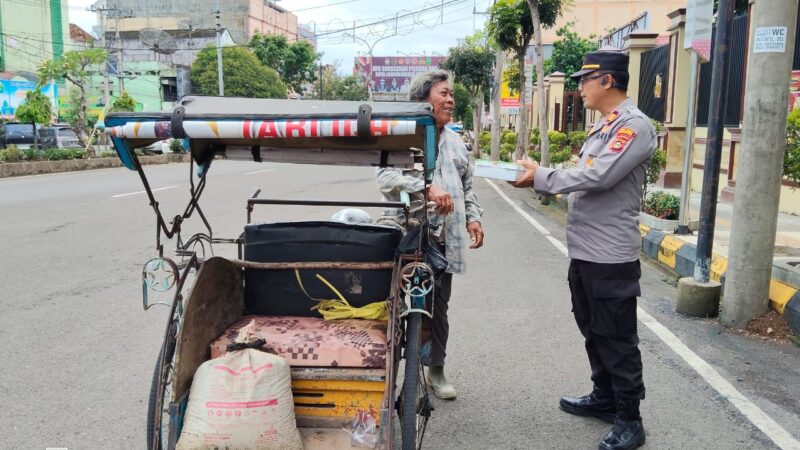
(621, 140)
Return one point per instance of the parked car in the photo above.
(18, 134)
(58, 137)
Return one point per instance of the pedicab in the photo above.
(272, 280)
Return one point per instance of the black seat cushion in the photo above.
(277, 292)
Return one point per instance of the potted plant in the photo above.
(660, 209)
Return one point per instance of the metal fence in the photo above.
(653, 82)
(736, 78)
(570, 112)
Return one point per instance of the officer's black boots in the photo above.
(599, 403)
(628, 431)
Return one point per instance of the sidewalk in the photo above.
(679, 254)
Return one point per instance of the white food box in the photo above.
(498, 170)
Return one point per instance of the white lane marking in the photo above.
(759, 418)
(259, 171)
(142, 192)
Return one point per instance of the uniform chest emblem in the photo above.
(621, 140)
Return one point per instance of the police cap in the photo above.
(610, 60)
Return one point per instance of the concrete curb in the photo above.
(70, 165)
(679, 256)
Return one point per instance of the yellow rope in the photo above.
(334, 309)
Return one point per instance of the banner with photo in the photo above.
(393, 74)
(12, 94)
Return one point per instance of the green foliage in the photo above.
(560, 146)
(74, 66)
(295, 62)
(557, 139)
(332, 86)
(485, 139)
(11, 154)
(176, 146)
(568, 52)
(535, 138)
(662, 205)
(108, 154)
(31, 154)
(576, 139)
(123, 103)
(244, 74)
(463, 111)
(57, 154)
(507, 151)
(511, 77)
(658, 162)
(508, 137)
(471, 64)
(36, 109)
(791, 159)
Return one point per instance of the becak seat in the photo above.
(313, 341)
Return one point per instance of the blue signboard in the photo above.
(12, 94)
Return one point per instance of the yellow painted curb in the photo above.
(779, 295)
(719, 265)
(666, 251)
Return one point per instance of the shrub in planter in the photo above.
(508, 137)
(31, 154)
(557, 140)
(576, 140)
(507, 151)
(11, 154)
(108, 154)
(791, 159)
(485, 140)
(662, 205)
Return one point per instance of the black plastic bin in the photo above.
(277, 292)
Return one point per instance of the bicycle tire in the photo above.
(411, 382)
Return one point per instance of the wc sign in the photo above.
(770, 40)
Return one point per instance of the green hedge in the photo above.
(14, 154)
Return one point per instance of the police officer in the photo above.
(604, 244)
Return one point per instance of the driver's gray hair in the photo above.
(421, 84)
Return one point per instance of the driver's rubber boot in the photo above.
(434, 377)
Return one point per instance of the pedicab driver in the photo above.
(604, 243)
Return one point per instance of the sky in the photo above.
(423, 27)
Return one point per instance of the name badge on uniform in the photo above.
(621, 140)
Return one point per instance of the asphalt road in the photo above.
(78, 350)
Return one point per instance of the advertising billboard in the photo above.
(12, 94)
(390, 76)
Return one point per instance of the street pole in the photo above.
(120, 63)
(716, 122)
(758, 181)
(106, 88)
(220, 80)
(499, 60)
(688, 147)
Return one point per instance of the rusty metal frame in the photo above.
(177, 221)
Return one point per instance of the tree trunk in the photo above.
(477, 117)
(522, 128)
(82, 118)
(35, 138)
(537, 45)
(499, 60)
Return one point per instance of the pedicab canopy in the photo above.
(395, 134)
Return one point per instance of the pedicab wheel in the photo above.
(414, 403)
(160, 392)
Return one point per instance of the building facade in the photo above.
(243, 18)
(31, 32)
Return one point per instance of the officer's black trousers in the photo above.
(604, 305)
